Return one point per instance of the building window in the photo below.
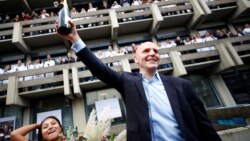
(93, 97)
(238, 83)
(205, 90)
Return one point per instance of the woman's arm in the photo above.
(20, 133)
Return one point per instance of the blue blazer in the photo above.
(189, 111)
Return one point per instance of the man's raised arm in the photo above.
(96, 66)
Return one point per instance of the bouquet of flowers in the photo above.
(98, 130)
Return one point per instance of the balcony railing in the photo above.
(227, 118)
(221, 3)
(6, 31)
(103, 17)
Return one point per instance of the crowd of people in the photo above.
(110, 52)
(204, 36)
(201, 37)
(49, 62)
(54, 12)
(106, 4)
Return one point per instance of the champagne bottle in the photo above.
(63, 21)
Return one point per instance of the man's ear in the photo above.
(135, 59)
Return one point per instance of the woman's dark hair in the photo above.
(40, 137)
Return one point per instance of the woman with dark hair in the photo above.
(50, 129)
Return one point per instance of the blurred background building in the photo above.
(204, 41)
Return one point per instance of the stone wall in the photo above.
(236, 134)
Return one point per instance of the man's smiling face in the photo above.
(147, 56)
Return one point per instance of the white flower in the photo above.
(122, 136)
(95, 130)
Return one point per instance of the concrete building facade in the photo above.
(220, 76)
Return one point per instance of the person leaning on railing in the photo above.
(246, 30)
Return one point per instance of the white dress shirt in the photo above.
(49, 63)
(29, 67)
(38, 66)
(20, 68)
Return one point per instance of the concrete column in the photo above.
(235, 134)
(243, 5)
(79, 117)
(232, 29)
(226, 60)
(125, 65)
(115, 46)
(27, 5)
(66, 84)
(72, 52)
(154, 40)
(17, 38)
(26, 117)
(157, 18)
(76, 85)
(178, 67)
(13, 97)
(199, 14)
(204, 6)
(233, 53)
(28, 57)
(114, 24)
(224, 93)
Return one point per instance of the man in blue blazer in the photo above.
(158, 107)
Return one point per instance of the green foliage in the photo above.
(112, 137)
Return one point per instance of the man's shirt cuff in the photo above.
(79, 45)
